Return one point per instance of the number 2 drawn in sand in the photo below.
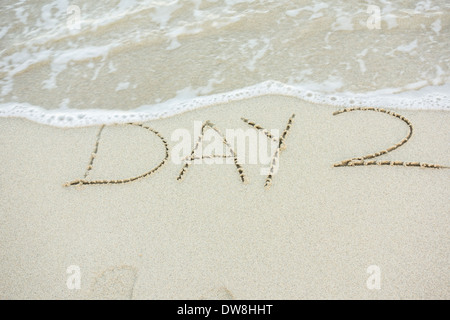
(362, 161)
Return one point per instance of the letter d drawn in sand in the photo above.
(84, 181)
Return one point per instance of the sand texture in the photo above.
(313, 234)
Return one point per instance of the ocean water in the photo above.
(75, 63)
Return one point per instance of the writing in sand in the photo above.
(278, 145)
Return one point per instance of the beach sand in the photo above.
(313, 234)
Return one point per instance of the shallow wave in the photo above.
(426, 99)
(136, 60)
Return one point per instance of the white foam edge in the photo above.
(427, 98)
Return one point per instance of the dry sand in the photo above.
(312, 235)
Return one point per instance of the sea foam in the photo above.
(427, 98)
(139, 60)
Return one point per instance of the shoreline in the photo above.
(426, 98)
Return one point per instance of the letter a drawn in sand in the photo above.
(192, 157)
(84, 181)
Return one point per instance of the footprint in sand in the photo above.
(218, 294)
(115, 284)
